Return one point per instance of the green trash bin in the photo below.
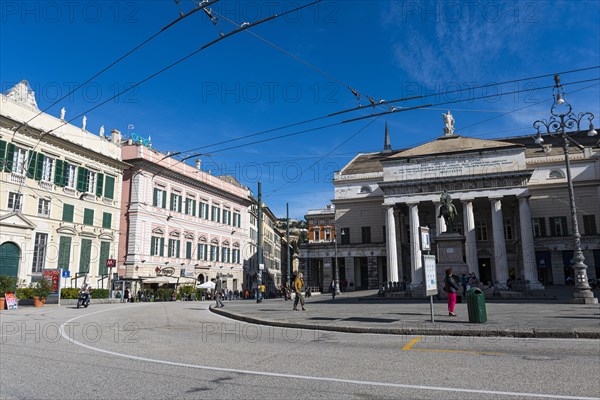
(476, 306)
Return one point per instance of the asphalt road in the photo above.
(181, 350)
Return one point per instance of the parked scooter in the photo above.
(83, 300)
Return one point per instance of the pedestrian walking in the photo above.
(219, 294)
(332, 288)
(450, 287)
(125, 298)
(298, 286)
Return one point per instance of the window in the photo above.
(64, 252)
(366, 234)
(539, 227)
(589, 225)
(202, 251)
(225, 254)
(70, 176)
(253, 235)
(160, 198)
(216, 214)
(188, 250)
(88, 216)
(47, 169)
(556, 174)
(203, 210)
(227, 217)
(109, 187)
(92, 178)
(365, 189)
(317, 233)
(328, 234)
(558, 226)
(237, 219)
(481, 230)
(19, 159)
(190, 207)
(157, 246)
(345, 236)
(68, 211)
(15, 201)
(173, 248)
(175, 202)
(106, 220)
(214, 253)
(85, 256)
(104, 255)
(44, 207)
(508, 230)
(39, 252)
(236, 256)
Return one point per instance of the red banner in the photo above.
(52, 276)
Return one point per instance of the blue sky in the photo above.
(243, 85)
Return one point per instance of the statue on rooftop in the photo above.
(449, 122)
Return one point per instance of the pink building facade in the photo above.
(178, 221)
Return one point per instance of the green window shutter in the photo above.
(164, 199)
(188, 250)
(64, 252)
(193, 208)
(152, 246)
(172, 202)
(155, 198)
(162, 247)
(99, 184)
(177, 249)
(2, 151)
(39, 166)
(85, 255)
(10, 153)
(68, 211)
(187, 206)
(82, 175)
(106, 220)
(109, 187)
(31, 159)
(104, 255)
(59, 171)
(179, 203)
(88, 216)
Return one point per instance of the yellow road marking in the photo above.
(410, 344)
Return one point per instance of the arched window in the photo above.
(556, 174)
(365, 189)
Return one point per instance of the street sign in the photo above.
(430, 279)
(110, 262)
(261, 266)
(66, 273)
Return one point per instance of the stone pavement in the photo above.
(546, 315)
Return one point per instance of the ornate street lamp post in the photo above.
(563, 118)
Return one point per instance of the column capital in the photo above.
(413, 203)
(467, 200)
(495, 198)
(524, 196)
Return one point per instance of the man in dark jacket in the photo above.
(218, 290)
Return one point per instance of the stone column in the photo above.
(415, 244)
(527, 243)
(500, 262)
(392, 251)
(440, 223)
(471, 240)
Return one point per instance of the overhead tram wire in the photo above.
(180, 18)
(355, 92)
(395, 101)
(374, 116)
(172, 65)
(180, 61)
(460, 101)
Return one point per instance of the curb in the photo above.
(478, 331)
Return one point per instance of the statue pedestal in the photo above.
(450, 253)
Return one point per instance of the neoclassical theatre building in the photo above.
(512, 201)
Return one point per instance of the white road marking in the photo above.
(306, 377)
